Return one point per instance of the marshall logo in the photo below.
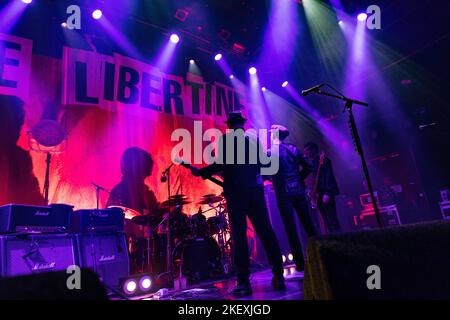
(44, 266)
(107, 258)
(42, 213)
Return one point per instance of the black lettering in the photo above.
(195, 96)
(221, 100)
(208, 99)
(170, 95)
(131, 84)
(109, 81)
(81, 84)
(148, 89)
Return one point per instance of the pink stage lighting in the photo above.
(284, 85)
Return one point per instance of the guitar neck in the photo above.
(212, 179)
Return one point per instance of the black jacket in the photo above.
(291, 158)
(236, 176)
(326, 183)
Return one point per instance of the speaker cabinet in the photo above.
(413, 262)
(106, 254)
(30, 254)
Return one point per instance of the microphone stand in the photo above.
(357, 141)
(166, 173)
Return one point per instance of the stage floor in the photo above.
(218, 290)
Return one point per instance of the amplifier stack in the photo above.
(35, 239)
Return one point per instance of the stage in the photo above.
(218, 290)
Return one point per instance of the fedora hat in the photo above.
(235, 117)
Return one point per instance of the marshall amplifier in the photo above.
(106, 254)
(92, 220)
(24, 218)
(29, 254)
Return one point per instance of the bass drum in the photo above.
(200, 258)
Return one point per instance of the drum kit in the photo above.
(199, 246)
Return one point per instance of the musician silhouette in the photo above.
(17, 181)
(131, 192)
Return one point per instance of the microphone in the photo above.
(163, 177)
(315, 88)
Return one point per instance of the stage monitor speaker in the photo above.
(402, 262)
(109, 251)
(29, 254)
(52, 286)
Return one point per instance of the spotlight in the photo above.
(137, 284)
(27, 1)
(362, 17)
(218, 56)
(290, 257)
(174, 38)
(97, 14)
(145, 283)
(284, 85)
(263, 89)
(191, 61)
(130, 286)
(284, 258)
(64, 24)
(231, 76)
(252, 70)
(341, 23)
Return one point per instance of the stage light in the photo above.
(130, 286)
(263, 89)
(231, 76)
(341, 23)
(362, 17)
(252, 70)
(137, 284)
(191, 61)
(284, 258)
(174, 38)
(290, 257)
(27, 1)
(218, 56)
(145, 283)
(97, 14)
(284, 85)
(64, 24)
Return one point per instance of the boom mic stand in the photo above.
(166, 178)
(357, 141)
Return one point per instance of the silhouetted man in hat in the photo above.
(244, 192)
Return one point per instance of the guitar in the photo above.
(195, 169)
(314, 194)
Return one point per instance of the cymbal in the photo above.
(175, 202)
(129, 213)
(178, 196)
(207, 199)
(146, 220)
